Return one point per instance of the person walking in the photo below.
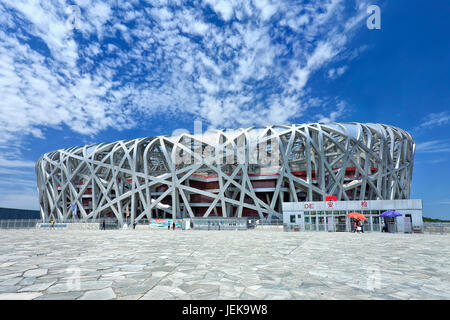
(383, 226)
(358, 226)
(134, 225)
(173, 224)
(52, 224)
(103, 224)
(362, 226)
(355, 225)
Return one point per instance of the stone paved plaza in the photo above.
(162, 264)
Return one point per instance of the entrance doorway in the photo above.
(340, 223)
(408, 223)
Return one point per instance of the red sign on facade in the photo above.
(363, 204)
(309, 206)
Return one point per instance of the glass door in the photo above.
(376, 223)
(339, 220)
(330, 223)
(313, 223)
(321, 222)
(307, 223)
(300, 221)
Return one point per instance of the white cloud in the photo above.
(435, 119)
(433, 146)
(13, 163)
(334, 73)
(333, 115)
(223, 8)
(266, 7)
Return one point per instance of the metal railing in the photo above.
(19, 223)
(270, 223)
(112, 223)
(338, 227)
(219, 224)
(436, 227)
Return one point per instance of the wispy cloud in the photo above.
(334, 114)
(431, 161)
(433, 146)
(13, 163)
(435, 119)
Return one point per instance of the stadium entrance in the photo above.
(331, 215)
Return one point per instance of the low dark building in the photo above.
(9, 213)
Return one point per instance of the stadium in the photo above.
(226, 173)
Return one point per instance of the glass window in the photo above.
(299, 216)
(292, 218)
(306, 219)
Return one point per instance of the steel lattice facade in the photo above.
(228, 173)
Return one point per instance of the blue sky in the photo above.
(142, 68)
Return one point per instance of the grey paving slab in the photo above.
(6, 274)
(27, 281)
(222, 265)
(10, 288)
(37, 287)
(104, 294)
(10, 282)
(60, 296)
(35, 273)
(20, 296)
(156, 294)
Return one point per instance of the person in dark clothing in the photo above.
(174, 225)
(103, 225)
(134, 225)
(358, 226)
